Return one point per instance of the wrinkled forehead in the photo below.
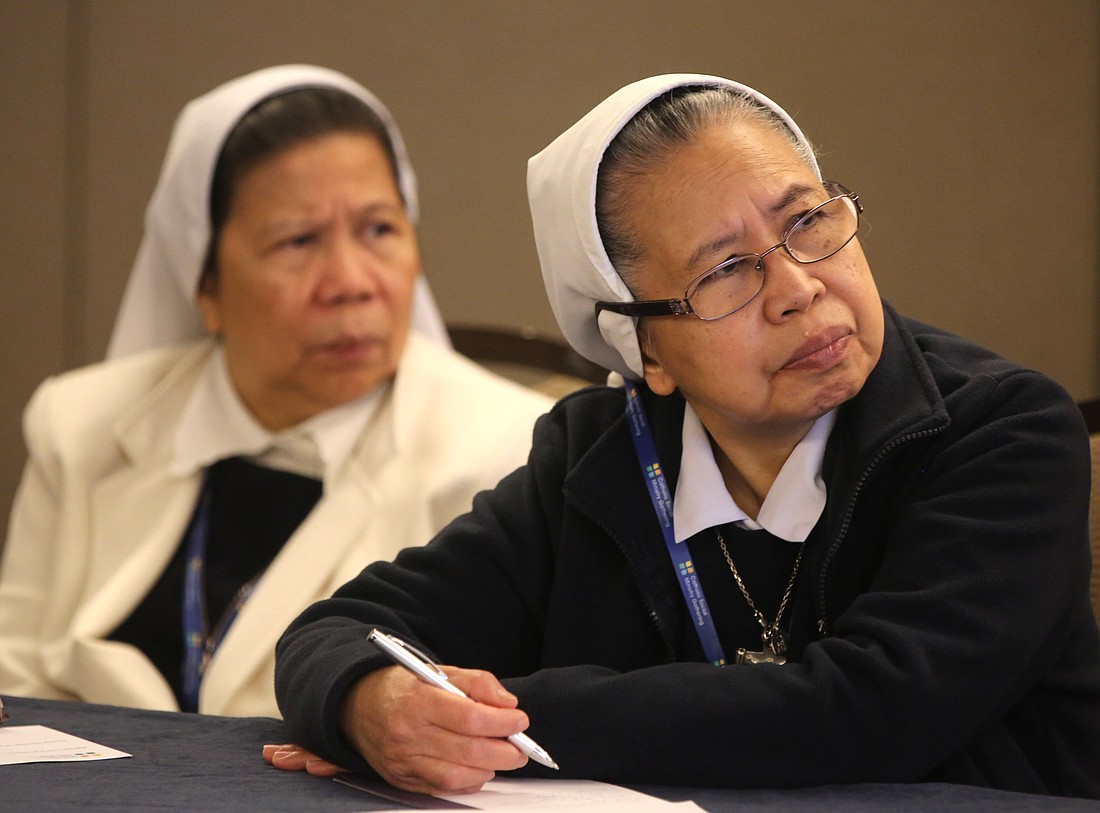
(722, 193)
(311, 181)
(306, 156)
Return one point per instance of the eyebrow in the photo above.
(793, 194)
(294, 222)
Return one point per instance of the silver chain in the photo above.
(769, 632)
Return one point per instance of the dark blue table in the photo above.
(187, 762)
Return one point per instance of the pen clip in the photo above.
(412, 650)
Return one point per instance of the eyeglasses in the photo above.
(734, 283)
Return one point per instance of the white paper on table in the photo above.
(513, 795)
(554, 794)
(36, 743)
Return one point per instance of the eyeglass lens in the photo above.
(731, 285)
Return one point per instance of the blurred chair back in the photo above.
(542, 363)
(1091, 411)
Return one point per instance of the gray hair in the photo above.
(669, 121)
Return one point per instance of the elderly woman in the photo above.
(268, 422)
(810, 542)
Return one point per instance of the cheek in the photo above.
(728, 352)
(866, 304)
(262, 304)
(855, 286)
(402, 296)
(261, 337)
(856, 278)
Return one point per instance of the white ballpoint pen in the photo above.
(424, 668)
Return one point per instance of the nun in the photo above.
(279, 407)
(805, 541)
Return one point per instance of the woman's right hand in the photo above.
(424, 740)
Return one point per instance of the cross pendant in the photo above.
(744, 656)
(773, 649)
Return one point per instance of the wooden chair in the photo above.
(1091, 411)
(540, 362)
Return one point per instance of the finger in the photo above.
(417, 784)
(422, 739)
(270, 750)
(392, 704)
(435, 777)
(449, 730)
(435, 759)
(289, 757)
(472, 718)
(482, 686)
(322, 767)
(491, 753)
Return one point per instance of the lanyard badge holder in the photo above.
(774, 646)
(678, 551)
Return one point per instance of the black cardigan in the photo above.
(941, 625)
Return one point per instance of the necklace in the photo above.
(773, 645)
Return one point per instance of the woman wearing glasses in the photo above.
(809, 542)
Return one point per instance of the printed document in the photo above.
(530, 795)
(37, 743)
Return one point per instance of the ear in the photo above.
(656, 377)
(210, 309)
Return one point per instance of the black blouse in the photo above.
(253, 512)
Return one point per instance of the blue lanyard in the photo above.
(198, 643)
(677, 551)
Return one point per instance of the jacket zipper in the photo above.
(822, 620)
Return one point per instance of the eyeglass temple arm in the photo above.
(648, 307)
(836, 188)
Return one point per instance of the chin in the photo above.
(833, 396)
(351, 387)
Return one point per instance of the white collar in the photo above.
(791, 508)
(215, 424)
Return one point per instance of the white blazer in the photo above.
(98, 516)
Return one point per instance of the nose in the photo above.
(347, 273)
(790, 287)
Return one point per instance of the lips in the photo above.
(348, 349)
(820, 350)
(345, 343)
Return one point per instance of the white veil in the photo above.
(159, 306)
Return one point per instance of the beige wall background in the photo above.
(970, 128)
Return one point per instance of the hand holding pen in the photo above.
(414, 750)
(429, 741)
(422, 666)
